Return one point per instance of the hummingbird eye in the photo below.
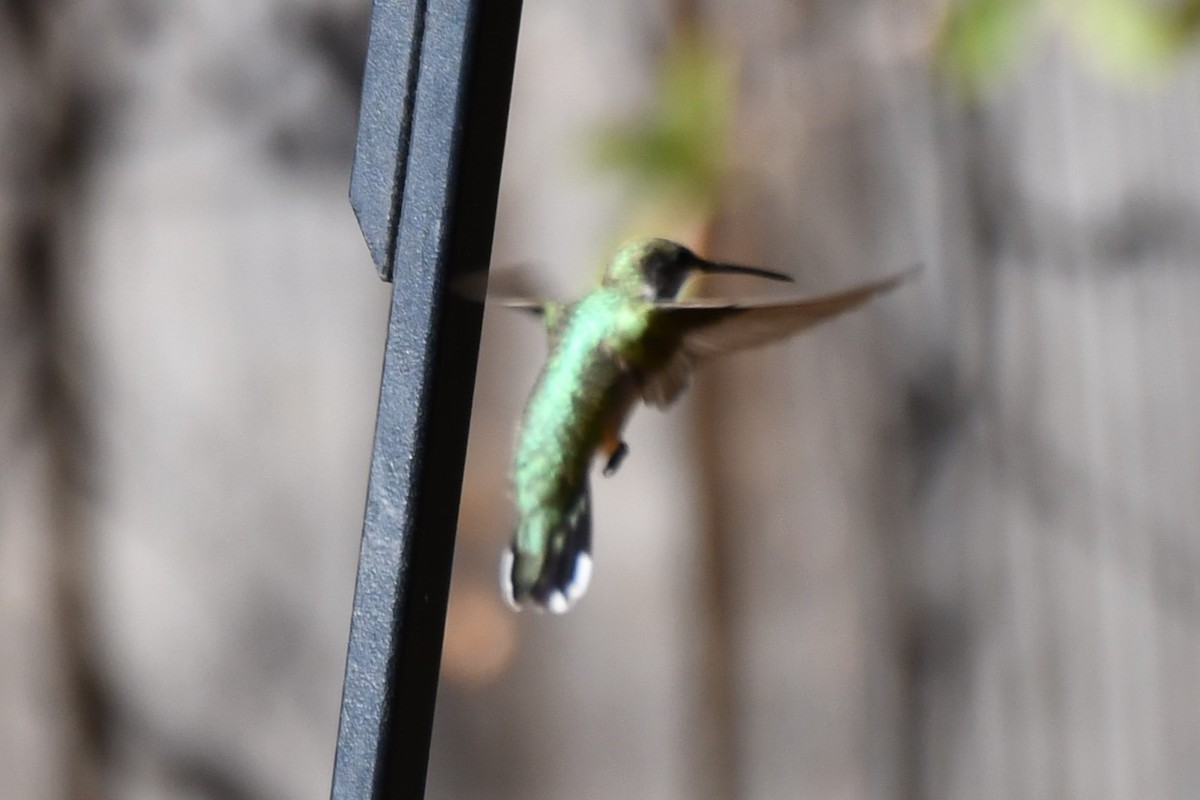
(666, 268)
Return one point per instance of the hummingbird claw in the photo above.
(614, 460)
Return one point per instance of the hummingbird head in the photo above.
(657, 268)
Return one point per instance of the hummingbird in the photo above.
(630, 340)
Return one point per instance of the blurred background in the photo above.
(945, 547)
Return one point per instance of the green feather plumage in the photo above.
(564, 420)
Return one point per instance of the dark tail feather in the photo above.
(567, 567)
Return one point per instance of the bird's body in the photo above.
(580, 397)
(580, 401)
(623, 342)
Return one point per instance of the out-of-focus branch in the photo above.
(677, 158)
(46, 174)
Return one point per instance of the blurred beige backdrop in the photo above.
(943, 548)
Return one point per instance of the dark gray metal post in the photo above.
(427, 170)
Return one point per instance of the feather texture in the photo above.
(682, 335)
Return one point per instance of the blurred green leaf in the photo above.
(980, 40)
(680, 147)
(1132, 37)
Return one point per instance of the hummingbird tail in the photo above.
(566, 565)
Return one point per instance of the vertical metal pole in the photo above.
(427, 170)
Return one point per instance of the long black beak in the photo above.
(735, 269)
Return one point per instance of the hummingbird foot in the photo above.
(614, 460)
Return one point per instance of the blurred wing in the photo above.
(553, 313)
(509, 287)
(535, 307)
(683, 335)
